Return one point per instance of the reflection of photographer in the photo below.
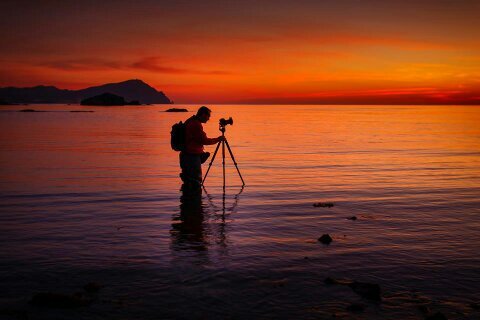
(193, 156)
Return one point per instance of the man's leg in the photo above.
(183, 166)
(196, 172)
(191, 169)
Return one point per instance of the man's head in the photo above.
(203, 114)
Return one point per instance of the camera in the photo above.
(223, 122)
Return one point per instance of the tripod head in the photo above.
(222, 123)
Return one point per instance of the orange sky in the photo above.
(250, 51)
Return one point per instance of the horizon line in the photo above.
(263, 104)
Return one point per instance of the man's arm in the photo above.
(206, 140)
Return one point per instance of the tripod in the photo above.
(223, 143)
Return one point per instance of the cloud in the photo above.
(82, 65)
(153, 64)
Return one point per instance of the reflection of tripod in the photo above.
(223, 143)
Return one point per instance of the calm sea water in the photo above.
(95, 197)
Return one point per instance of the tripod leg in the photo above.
(223, 164)
(211, 161)
(234, 162)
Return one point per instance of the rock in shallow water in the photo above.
(325, 239)
(323, 204)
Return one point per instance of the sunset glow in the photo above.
(334, 52)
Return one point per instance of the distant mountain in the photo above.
(130, 90)
(38, 94)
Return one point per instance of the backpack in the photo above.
(178, 135)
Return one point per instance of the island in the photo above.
(176, 110)
(104, 99)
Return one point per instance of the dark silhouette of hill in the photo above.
(38, 94)
(130, 90)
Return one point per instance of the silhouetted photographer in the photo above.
(192, 156)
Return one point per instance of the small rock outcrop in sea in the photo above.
(176, 110)
(104, 99)
(323, 204)
(60, 300)
(325, 239)
(30, 110)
